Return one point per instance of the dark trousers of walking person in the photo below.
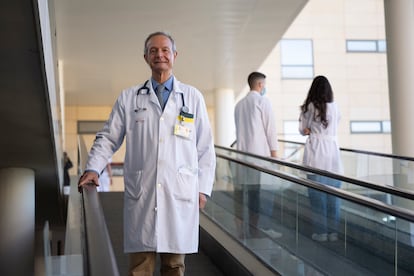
(325, 207)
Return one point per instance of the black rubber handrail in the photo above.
(371, 203)
(100, 258)
(98, 254)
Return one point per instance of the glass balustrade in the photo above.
(381, 169)
(276, 219)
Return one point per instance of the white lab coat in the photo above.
(104, 179)
(255, 125)
(163, 172)
(321, 148)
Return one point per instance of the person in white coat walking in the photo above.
(319, 120)
(255, 133)
(255, 120)
(169, 162)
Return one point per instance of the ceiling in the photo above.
(100, 42)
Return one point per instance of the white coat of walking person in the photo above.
(169, 162)
(255, 120)
(255, 133)
(319, 120)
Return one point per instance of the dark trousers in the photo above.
(325, 207)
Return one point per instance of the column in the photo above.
(17, 221)
(399, 26)
(224, 117)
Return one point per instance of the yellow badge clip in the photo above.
(185, 119)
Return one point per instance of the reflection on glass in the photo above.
(274, 218)
(376, 169)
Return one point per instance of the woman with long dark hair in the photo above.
(319, 120)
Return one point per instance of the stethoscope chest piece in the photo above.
(185, 109)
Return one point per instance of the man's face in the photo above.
(262, 84)
(160, 56)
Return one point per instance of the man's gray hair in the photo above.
(159, 33)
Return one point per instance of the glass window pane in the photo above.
(386, 126)
(364, 127)
(291, 133)
(382, 46)
(361, 45)
(291, 127)
(296, 52)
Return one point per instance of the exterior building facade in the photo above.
(345, 41)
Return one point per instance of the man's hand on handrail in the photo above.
(89, 177)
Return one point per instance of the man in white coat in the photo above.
(255, 121)
(255, 133)
(169, 163)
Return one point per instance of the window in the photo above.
(291, 131)
(382, 46)
(90, 127)
(370, 127)
(386, 126)
(366, 46)
(296, 58)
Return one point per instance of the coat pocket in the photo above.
(133, 187)
(186, 189)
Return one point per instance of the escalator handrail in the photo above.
(98, 254)
(404, 193)
(100, 258)
(362, 200)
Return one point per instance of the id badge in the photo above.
(182, 131)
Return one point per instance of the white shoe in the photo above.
(320, 237)
(272, 233)
(333, 237)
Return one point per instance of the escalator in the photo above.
(263, 225)
(112, 204)
(374, 234)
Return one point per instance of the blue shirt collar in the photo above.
(168, 84)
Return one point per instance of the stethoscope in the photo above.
(144, 90)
